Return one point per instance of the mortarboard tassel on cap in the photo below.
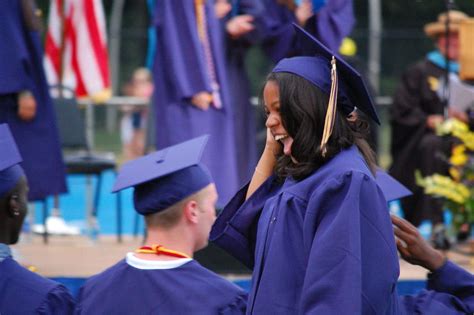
(332, 107)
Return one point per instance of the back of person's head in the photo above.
(13, 189)
(171, 188)
(319, 96)
(171, 216)
(194, 215)
(13, 209)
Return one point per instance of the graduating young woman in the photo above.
(313, 224)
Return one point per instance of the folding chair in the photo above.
(78, 156)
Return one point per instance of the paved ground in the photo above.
(81, 257)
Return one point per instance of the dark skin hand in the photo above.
(414, 248)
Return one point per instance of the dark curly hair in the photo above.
(303, 110)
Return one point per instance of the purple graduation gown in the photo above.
(450, 291)
(180, 71)
(24, 292)
(330, 25)
(188, 289)
(278, 39)
(323, 245)
(21, 68)
(244, 120)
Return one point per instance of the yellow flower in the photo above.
(458, 159)
(459, 126)
(467, 138)
(459, 149)
(463, 190)
(443, 186)
(442, 180)
(452, 126)
(455, 174)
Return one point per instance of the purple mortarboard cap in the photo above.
(314, 65)
(391, 188)
(165, 177)
(10, 171)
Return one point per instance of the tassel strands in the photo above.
(206, 44)
(332, 107)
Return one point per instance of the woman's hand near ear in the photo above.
(266, 164)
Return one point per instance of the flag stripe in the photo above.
(53, 53)
(80, 88)
(96, 41)
(85, 65)
(88, 63)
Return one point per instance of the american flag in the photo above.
(76, 48)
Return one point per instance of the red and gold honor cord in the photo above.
(160, 250)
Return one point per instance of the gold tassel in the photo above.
(199, 9)
(332, 107)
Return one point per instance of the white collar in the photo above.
(139, 263)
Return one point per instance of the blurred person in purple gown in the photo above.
(25, 103)
(192, 95)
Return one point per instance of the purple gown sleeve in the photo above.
(14, 57)
(352, 261)
(58, 301)
(255, 9)
(278, 31)
(181, 48)
(429, 302)
(238, 307)
(452, 279)
(330, 25)
(450, 291)
(236, 226)
(334, 22)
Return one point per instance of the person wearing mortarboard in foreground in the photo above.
(416, 111)
(315, 206)
(450, 288)
(177, 196)
(21, 291)
(25, 103)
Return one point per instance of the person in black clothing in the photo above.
(417, 109)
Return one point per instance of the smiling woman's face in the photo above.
(271, 97)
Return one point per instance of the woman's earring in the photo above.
(352, 116)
